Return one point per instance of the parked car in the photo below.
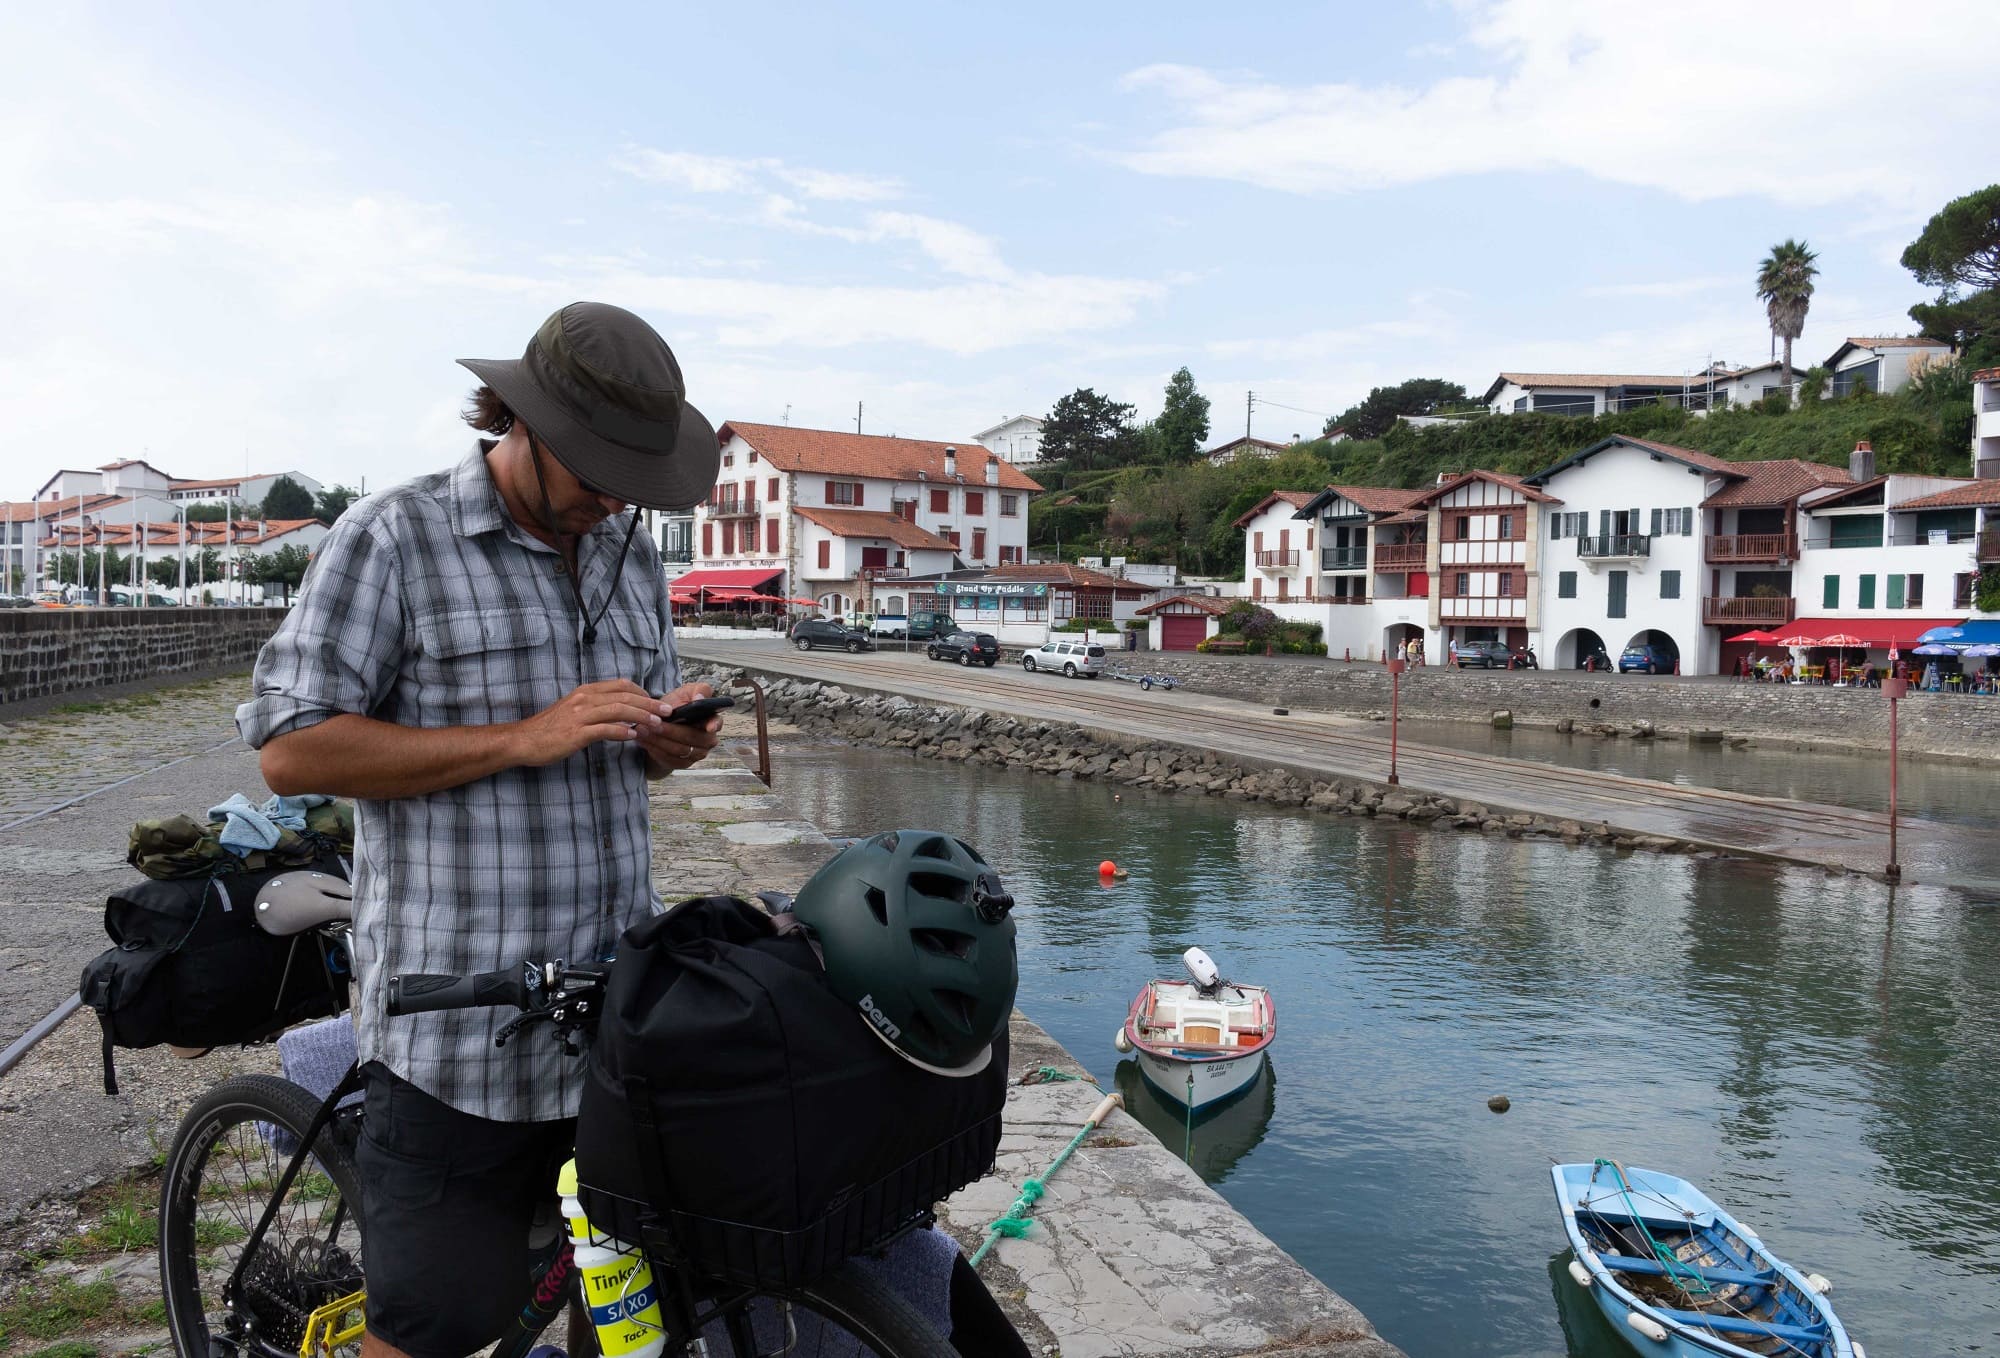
(811, 633)
(1067, 657)
(16, 601)
(1485, 655)
(1652, 659)
(967, 648)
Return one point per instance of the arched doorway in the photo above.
(833, 605)
(1578, 645)
(1666, 651)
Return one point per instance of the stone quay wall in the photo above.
(48, 651)
(1966, 726)
(1068, 751)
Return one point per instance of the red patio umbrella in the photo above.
(1840, 641)
(1755, 637)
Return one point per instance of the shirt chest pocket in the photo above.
(634, 639)
(485, 666)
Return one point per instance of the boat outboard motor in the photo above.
(1207, 976)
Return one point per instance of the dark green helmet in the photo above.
(913, 926)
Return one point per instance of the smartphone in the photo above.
(700, 710)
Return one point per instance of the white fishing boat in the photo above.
(1200, 1041)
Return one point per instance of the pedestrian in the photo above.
(482, 658)
(1930, 676)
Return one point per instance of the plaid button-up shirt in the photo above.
(428, 606)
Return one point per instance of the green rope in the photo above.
(1187, 1150)
(1668, 1259)
(1050, 1074)
(1015, 1224)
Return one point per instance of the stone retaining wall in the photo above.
(1941, 724)
(1070, 752)
(46, 651)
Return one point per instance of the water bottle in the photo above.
(617, 1283)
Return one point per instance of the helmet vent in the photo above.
(942, 886)
(943, 942)
(956, 1006)
(935, 847)
(878, 904)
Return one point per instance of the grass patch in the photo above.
(68, 1348)
(52, 1310)
(211, 1232)
(68, 708)
(153, 1312)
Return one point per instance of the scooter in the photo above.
(1524, 658)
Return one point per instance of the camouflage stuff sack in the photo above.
(181, 846)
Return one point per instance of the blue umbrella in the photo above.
(1932, 648)
(1984, 650)
(1940, 636)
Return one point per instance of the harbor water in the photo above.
(1818, 1053)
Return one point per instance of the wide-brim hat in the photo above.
(603, 391)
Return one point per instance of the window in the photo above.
(1566, 584)
(906, 510)
(1829, 591)
(708, 539)
(1914, 597)
(1506, 526)
(940, 500)
(1506, 586)
(750, 457)
(771, 490)
(1464, 585)
(1010, 506)
(1895, 591)
(1867, 599)
(1963, 587)
(1462, 528)
(949, 535)
(1097, 604)
(770, 537)
(728, 459)
(1670, 584)
(843, 493)
(979, 544)
(975, 503)
(1520, 405)
(825, 554)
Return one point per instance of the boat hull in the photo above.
(1200, 1049)
(1201, 1085)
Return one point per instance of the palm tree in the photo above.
(1784, 281)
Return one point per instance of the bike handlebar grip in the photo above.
(419, 992)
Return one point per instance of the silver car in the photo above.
(1070, 658)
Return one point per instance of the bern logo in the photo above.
(879, 1019)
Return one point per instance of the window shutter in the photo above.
(859, 487)
(708, 539)
(771, 537)
(829, 493)
(1657, 515)
(1687, 521)
(1604, 523)
(825, 554)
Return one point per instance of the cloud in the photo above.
(1844, 108)
(721, 174)
(1673, 287)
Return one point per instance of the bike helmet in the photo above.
(914, 931)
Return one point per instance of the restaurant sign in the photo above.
(991, 589)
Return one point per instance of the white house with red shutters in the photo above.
(1484, 559)
(842, 519)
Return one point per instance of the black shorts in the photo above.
(450, 1200)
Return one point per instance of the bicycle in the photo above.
(295, 1221)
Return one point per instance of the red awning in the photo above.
(743, 577)
(1879, 633)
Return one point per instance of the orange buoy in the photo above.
(1107, 868)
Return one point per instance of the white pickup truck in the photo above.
(913, 627)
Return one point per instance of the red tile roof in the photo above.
(1595, 380)
(1707, 461)
(1776, 483)
(874, 523)
(1896, 342)
(1246, 441)
(1054, 574)
(1513, 483)
(792, 449)
(218, 482)
(1972, 493)
(1378, 499)
(1207, 603)
(1297, 499)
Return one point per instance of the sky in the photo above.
(255, 237)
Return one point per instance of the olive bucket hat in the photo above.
(602, 390)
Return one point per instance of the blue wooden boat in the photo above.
(1676, 1275)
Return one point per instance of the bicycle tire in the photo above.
(214, 1187)
(865, 1311)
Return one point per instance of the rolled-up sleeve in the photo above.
(339, 648)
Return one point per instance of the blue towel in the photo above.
(314, 1058)
(248, 829)
(290, 812)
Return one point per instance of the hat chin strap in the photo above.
(555, 531)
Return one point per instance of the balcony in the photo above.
(1605, 546)
(1401, 556)
(1343, 558)
(1277, 561)
(1746, 612)
(734, 509)
(885, 572)
(1750, 547)
(677, 556)
(1342, 599)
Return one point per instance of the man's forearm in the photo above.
(356, 756)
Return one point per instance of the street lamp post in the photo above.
(1893, 689)
(1396, 665)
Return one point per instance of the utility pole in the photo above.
(1249, 400)
(857, 417)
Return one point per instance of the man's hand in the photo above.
(677, 745)
(612, 709)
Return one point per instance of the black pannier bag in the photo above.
(192, 969)
(738, 1114)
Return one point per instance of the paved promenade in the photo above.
(1330, 746)
(1105, 1271)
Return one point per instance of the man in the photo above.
(483, 659)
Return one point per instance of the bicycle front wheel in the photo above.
(851, 1311)
(226, 1160)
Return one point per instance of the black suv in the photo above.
(967, 648)
(816, 632)
(1486, 655)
